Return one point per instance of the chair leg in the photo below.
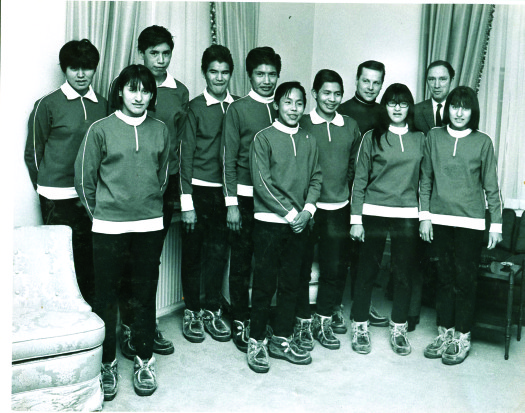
(522, 298)
(509, 315)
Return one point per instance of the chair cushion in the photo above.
(39, 333)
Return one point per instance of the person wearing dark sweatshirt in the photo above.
(204, 241)
(243, 119)
(56, 128)
(121, 173)
(284, 163)
(458, 179)
(338, 139)
(385, 200)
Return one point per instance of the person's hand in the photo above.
(300, 221)
(189, 219)
(357, 232)
(494, 238)
(425, 230)
(233, 218)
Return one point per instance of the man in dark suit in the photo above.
(429, 113)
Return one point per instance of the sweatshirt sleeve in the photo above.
(163, 173)
(39, 128)
(263, 185)
(187, 152)
(489, 181)
(363, 166)
(230, 143)
(426, 178)
(355, 135)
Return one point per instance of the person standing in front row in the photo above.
(121, 173)
(243, 119)
(204, 242)
(338, 139)
(364, 109)
(284, 163)
(458, 179)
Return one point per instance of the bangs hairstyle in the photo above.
(135, 75)
(78, 54)
(465, 97)
(398, 93)
(262, 56)
(284, 89)
(327, 76)
(216, 53)
(154, 35)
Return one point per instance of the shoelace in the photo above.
(146, 368)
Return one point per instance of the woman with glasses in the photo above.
(385, 200)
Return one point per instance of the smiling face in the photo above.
(79, 79)
(438, 81)
(459, 117)
(264, 79)
(157, 59)
(369, 84)
(290, 108)
(217, 79)
(328, 99)
(135, 100)
(397, 112)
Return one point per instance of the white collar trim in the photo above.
(72, 94)
(169, 82)
(261, 99)
(286, 129)
(398, 130)
(458, 133)
(210, 100)
(130, 120)
(317, 120)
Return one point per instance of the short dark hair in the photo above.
(262, 56)
(154, 35)
(327, 76)
(134, 74)
(285, 88)
(218, 53)
(444, 63)
(78, 54)
(464, 97)
(372, 65)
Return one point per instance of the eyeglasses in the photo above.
(393, 104)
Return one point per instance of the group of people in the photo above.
(256, 175)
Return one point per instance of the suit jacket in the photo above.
(424, 116)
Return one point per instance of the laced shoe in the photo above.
(361, 338)
(435, 349)
(287, 349)
(109, 374)
(338, 321)
(302, 333)
(457, 350)
(322, 331)
(162, 345)
(399, 340)
(257, 355)
(377, 320)
(240, 334)
(192, 326)
(126, 348)
(144, 376)
(215, 325)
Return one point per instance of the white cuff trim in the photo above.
(186, 203)
(424, 215)
(356, 220)
(496, 228)
(231, 201)
(291, 215)
(310, 208)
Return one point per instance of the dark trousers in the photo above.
(331, 232)
(278, 253)
(113, 255)
(459, 253)
(72, 213)
(204, 250)
(241, 261)
(404, 234)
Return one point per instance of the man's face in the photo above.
(217, 79)
(369, 84)
(328, 98)
(79, 78)
(157, 59)
(290, 108)
(438, 81)
(264, 79)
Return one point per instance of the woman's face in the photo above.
(79, 78)
(397, 112)
(135, 101)
(459, 117)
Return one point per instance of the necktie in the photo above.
(438, 115)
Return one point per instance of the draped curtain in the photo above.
(114, 26)
(457, 33)
(237, 27)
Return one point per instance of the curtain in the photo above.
(114, 26)
(237, 27)
(502, 100)
(457, 33)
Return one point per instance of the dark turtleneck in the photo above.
(366, 114)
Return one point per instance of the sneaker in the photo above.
(322, 331)
(215, 325)
(377, 320)
(192, 326)
(435, 349)
(162, 345)
(240, 334)
(457, 350)
(126, 348)
(302, 333)
(338, 321)
(109, 374)
(287, 349)
(361, 338)
(144, 377)
(257, 355)
(399, 340)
